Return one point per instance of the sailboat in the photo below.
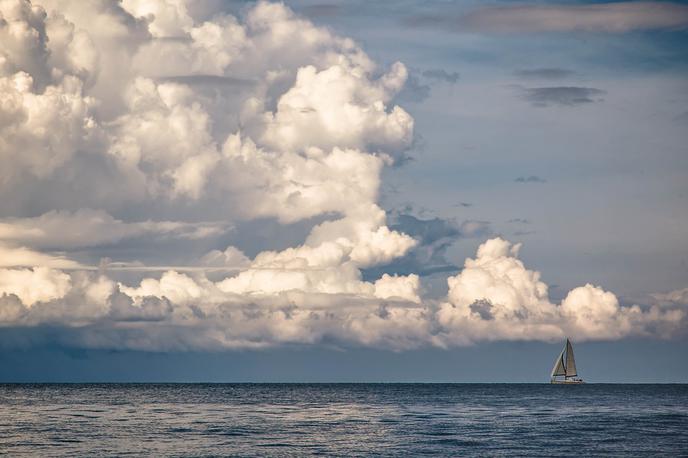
(565, 366)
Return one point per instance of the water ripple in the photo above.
(343, 420)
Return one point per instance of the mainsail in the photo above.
(570, 361)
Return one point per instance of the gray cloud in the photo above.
(414, 91)
(562, 95)
(419, 84)
(617, 17)
(519, 220)
(548, 73)
(483, 308)
(530, 179)
(443, 75)
(150, 308)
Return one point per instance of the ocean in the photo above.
(343, 420)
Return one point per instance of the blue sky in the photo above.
(265, 187)
(612, 209)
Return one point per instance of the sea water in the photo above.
(343, 420)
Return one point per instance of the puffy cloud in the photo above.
(338, 106)
(293, 186)
(24, 38)
(44, 112)
(115, 84)
(39, 284)
(150, 114)
(400, 287)
(596, 313)
(206, 49)
(330, 262)
(497, 275)
(47, 127)
(167, 18)
(307, 296)
(166, 132)
(178, 288)
(231, 257)
(496, 297)
(127, 83)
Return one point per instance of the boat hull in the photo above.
(567, 382)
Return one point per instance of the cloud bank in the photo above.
(617, 17)
(137, 119)
(494, 297)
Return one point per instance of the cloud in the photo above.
(20, 256)
(230, 257)
(546, 73)
(442, 75)
(530, 179)
(434, 236)
(419, 84)
(496, 297)
(618, 17)
(143, 120)
(676, 297)
(306, 296)
(88, 228)
(34, 285)
(311, 113)
(414, 91)
(562, 95)
(230, 116)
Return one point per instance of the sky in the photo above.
(342, 191)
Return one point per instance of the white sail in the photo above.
(570, 366)
(558, 368)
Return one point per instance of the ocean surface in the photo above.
(343, 420)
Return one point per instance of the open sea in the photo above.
(343, 420)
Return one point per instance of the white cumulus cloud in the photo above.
(138, 120)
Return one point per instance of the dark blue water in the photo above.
(343, 420)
